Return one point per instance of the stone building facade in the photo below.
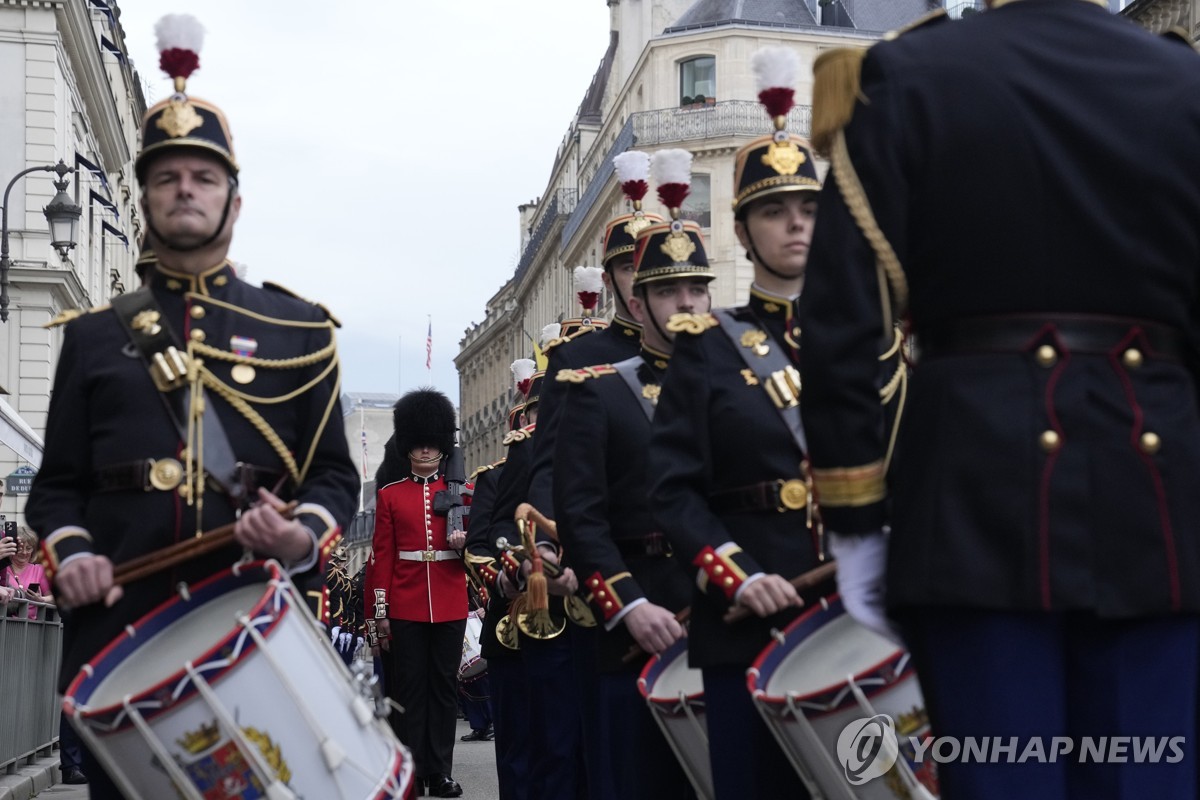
(676, 74)
(69, 92)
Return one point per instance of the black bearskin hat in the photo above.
(424, 417)
(395, 465)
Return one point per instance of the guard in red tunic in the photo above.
(417, 587)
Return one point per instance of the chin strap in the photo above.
(752, 253)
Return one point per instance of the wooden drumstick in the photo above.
(810, 579)
(151, 563)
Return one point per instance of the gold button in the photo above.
(197, 312)
(1046, 355)
(708, 558)
(729, 581)
(1133, 358)
(608, 605)
(197, 335)
(718, 569)
(1151, 443)
(1050, 441)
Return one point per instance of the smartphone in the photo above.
(35, 587)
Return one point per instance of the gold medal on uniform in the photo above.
(246, 347)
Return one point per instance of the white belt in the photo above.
(427, 555)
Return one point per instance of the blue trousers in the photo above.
(557, 770)
(1029, 674)
(746, 759)
(510, 720)
(629, 746)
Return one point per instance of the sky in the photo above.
(384, 147)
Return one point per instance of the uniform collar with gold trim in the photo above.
(655, 359)
(624, 328)
(210, 282)
(765, 304)
(431, 479)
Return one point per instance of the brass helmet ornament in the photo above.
(633, 171)
(783, 161)
(588, 283)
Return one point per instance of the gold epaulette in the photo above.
(275, 287)
(837, 83)
(691, 323)
(586, 329)
(485, 468)
(73, 313)
(581, 375)
(519, 435)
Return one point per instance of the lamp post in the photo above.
(62, 214)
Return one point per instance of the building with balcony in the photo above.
(676, 74)
(1161, 15)
(68, 92)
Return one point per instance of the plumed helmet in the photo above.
(424, 417)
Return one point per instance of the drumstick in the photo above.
(808, 580)
(814, 577)
(166, 557)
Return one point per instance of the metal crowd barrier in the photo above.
(30, 653)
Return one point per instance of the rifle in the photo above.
(451, 502)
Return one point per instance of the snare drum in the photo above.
(472, 662)
(231, 691)
(675, 694)
(826, 671)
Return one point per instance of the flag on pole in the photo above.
(429, 346)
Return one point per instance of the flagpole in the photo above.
(429, 350)
(399, 364)
(362, 486)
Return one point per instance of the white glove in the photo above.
(861, 569)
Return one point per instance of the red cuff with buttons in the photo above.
(488, 572)
(512, 567)
(611, 595)
(720, 569)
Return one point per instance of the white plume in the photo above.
(523, 369)
(775, 67)
(549, 334)
(671, 166)
(182, 31)
(632, 165)
(589, 279)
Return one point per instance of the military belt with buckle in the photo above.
(166, 474)
(652, 544)
(427, 555)
(780, 496)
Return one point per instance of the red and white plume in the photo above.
(549, 334)
(522, 370)
(775, 70)
(588, 285)
(633, 168)
(180, 37)
(672, 171)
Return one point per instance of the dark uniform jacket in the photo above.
(483, 503)
(1038, 159)
(601, 487)
(620, 340)
(716, 430)
(105, 411)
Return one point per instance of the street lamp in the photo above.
(62, 214)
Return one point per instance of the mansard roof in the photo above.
(865, 15)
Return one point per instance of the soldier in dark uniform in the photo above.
(1044, 554)
(417, 586)
(625, 564)
(726, 463)
(242, 414)
(506, 674)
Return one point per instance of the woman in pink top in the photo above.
(25, 576)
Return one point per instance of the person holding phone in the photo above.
(23, 576)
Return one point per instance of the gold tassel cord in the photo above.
(837, 82)
(260, 424)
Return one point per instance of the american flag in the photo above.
(429, 346)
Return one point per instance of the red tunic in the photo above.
(418, 591)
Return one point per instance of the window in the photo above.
(698, 205)
(698, 81)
